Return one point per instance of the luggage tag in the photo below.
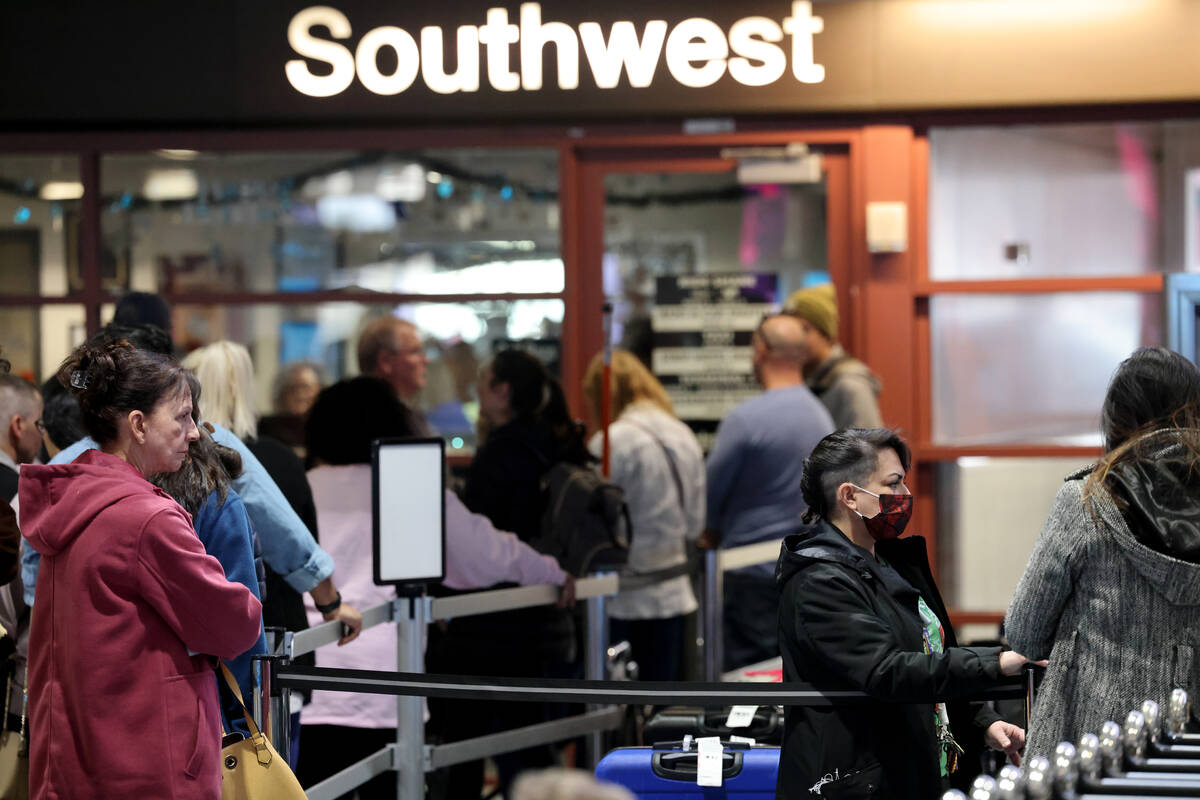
(686, 745)
(709, 761)
(742, 739)
(740, 716)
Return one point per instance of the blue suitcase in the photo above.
(665, 772)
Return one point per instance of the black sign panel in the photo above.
(227, 63)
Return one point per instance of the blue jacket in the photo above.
(288, 546)
(224, 530)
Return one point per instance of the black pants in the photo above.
(751, 619)
(657, 645)
(499, 651)
(326, 749)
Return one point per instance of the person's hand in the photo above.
(1005, 736)
(566, 598)
(351, 622)
(709, 540)
(1012, 662)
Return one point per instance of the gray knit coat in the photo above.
(1119, 622)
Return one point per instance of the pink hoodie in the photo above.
(118, 707)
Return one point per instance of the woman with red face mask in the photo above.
(859, 611)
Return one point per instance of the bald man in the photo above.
(754, 472)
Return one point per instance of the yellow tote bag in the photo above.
(250, 768)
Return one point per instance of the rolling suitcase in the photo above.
(667, 772)
(672, 724)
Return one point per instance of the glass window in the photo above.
(1062, 200)
(39, 226)
(463, 221)
(458, 338)
(1031, 368)
(664, 225)
(985, 539)
(36, 340)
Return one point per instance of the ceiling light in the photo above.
(170, 184)
(401, 184)
(178, 155)
(340, 183)
(433, 177)
(61, 190)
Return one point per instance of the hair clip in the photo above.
(80, 379)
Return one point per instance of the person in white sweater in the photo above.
(657, 460)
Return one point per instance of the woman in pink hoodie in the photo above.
(130, 609)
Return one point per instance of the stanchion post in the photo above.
(412, 615)
(714, 604)
(271, 705)
(595, 665)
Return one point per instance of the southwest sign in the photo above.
(697, 51)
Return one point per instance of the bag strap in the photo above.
(670, 460)
(260, 741)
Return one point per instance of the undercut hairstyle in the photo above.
(60, 415)
(110, 378)
(846, 456)
(351, 414)
(783, 337)
(378, 337)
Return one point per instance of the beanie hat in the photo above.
(818, 305)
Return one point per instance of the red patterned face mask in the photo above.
(894, 512)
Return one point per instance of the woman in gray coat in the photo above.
(1111, 594)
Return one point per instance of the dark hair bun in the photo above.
(93, 372)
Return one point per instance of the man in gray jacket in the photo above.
(845, 385)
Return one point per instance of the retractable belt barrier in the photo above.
(410, 757)
(558, 690)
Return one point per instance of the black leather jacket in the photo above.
(848, 623)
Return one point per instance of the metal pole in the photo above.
(714, 603)
(271, 711)
(412, 615)
(595, 660)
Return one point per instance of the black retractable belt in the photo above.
(542, 690)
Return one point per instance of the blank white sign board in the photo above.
(410, 511)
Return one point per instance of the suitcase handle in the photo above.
(763, 725)
(682, 766)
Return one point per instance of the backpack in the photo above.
(586, 523)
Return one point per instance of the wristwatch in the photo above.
(331, 606)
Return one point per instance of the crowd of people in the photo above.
(154, 522)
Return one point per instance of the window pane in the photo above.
(39, 225)
(1048, 200)
(463, 221)
(36, 340)
(983, 544)
(678, 224)
(458, 338)
(1031, 368)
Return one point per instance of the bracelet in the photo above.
(331, 606)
